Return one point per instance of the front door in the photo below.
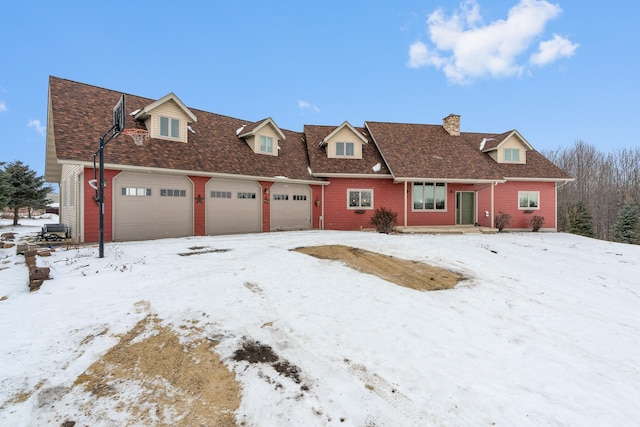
(465, 208)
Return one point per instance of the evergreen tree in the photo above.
(29, 189)
(6, 190)
(580, 221)
(627, 227)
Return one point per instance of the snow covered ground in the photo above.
(544, 330)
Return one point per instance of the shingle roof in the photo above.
(83, 113)
(321, 164)
(428, 151)
(80, 114)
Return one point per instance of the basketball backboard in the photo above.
(119, 116)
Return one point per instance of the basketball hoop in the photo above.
(138, 135)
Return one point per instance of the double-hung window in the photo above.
(528, 200)
(360, 199)
(429, 196)
(169, 127)
(345, 149)
(266, 144)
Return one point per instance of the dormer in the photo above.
(507, 148)
(167, 118)
(263, 137)
(344, 142)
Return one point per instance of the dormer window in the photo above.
(512, 155)
(345, 149)
(266, 144)
(169, 127)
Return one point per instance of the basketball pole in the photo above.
(112, 133)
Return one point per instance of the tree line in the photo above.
(21, 187)
(603, 200)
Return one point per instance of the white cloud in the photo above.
(33, 123)
(550, 50)
(3, 106)
(465, 48)
(304, 105)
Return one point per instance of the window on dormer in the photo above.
(266, 144)
(345, 149)
(169, 127)
(511, 155)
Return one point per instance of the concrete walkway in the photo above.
(443, 229)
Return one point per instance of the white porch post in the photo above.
(405, 203)
(493, 216)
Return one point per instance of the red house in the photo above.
(200, 173)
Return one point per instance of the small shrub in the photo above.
(502, 220)
(384, 220)
(536, 222)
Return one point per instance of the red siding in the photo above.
(483, 200)
(506, 200)
(91, 207)
(266, 208)
(316, 205)
(338, 217)
(199, 202)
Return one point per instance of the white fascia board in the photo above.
(129, 168)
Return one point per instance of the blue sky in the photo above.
(555, 71)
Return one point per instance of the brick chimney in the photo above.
(451, 124)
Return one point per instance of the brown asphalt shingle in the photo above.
(83, 113)
(428, 151)
(321, 164)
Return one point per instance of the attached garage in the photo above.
(233, 207)
(290, 207)
(151, 206)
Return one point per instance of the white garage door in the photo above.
(233, 207)
(290, 207)
(151, 206)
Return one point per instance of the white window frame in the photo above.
(435, 185)
(345, 149)
(172, 192)
(528, 196)
(266, 144)
(359, 198)
(173, 127)
(511, 152)
(135, 192)
(220, 194)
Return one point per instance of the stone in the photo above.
(39, 273)
(44, 252)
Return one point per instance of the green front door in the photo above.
(465, 208)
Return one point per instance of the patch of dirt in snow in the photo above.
(256, 352)
(410, 274)
(153, 376)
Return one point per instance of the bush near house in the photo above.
(502, 220)
(536, 222)
(384, 220)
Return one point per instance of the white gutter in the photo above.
(450, 180)
(539, 179)
(143, 169)
(352, 175)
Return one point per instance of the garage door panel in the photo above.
(142, 209)
(290, 207)
(233, 207)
